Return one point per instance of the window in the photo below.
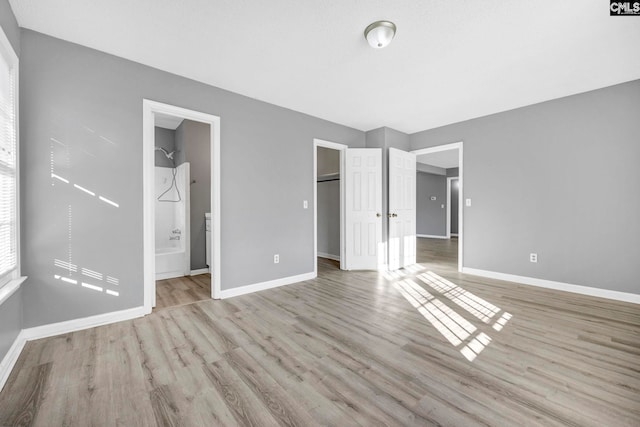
(8, 162)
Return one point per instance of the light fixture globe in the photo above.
(380, 33)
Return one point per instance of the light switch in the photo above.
(468, 202)
(305, 204)
(442, 206)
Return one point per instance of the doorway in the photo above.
(328, 196)
(170, 205)
(442, 169)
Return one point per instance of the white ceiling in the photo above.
(450, 60)
(442, 159)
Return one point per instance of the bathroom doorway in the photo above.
(181, 205)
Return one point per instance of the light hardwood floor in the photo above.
(182, 290)
(348, 348)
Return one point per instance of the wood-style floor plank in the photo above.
(182, 290)
(422, 346)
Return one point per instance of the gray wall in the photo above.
(328, 161)
(328, 202)
(193, 145)
(431, 218)
(422, 167)
(454, 205)
(451, 172)
(165, 138)
(329, 217)
(535, 176)
(92, 103)
(454, 172)
(10, 310)
(10, 321)
(10, 25)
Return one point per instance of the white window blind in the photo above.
(8, 161)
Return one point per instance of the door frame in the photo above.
(341, 149)
(149, 110)
(445, 147)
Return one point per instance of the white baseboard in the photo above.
(9, 360)
(328, 256)
(242, 290)
(559, 286)
(454, 234)
(199, 271)
(65, 327)
(430, 236)
(169, 275)
(44, 331)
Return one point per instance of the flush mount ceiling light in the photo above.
(380, 33)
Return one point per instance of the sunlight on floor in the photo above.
(392, 275)
(454, 327)
(475, 305)
(450, 324)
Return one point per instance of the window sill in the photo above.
(10, 288)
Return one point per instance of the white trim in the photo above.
(74, 325)
(9, 360)
(170, 275)
(559, 286)
(454, 234)
(44, 331)
(453, 146)
(248, 289)
(341, 148)
(10, 288)
(149, 108)
(328, 256)
(15, 274)
(199, 271)
(431, 236)
(460, 208)
(438, 148)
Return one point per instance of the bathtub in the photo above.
(170, 263)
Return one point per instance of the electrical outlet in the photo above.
(468, 202)
(276, 259)
(533, 257)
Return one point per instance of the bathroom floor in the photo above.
(182, 290)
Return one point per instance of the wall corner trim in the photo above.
(248, 289)
(559, 286)
(10, 359)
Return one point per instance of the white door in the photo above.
(402, 208)
(363, 208)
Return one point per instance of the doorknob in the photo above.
(392, 215)
(378, 214)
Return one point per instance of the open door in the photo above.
(363, 208)
(402, 209)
